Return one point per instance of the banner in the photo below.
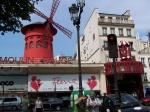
(60, 82)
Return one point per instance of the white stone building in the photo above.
(143, 49)
(93, 43)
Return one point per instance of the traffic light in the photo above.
(112, 46)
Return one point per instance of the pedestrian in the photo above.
(25, 104)
(39, 105)
(80, 104)
(93, 103)
(135, 94)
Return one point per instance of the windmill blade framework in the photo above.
(50, 21)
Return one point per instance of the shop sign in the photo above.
(13, 83)
(57, 82)
(33, 60)
(6, 83)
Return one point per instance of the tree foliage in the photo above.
(13, 12)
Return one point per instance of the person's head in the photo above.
(97, 96)
(38, 98)
(25, 96)
(92, 96)
(84, 97)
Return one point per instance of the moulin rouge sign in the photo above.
(28, 60)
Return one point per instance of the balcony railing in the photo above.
(106, 20)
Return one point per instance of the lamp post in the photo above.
(75, 13)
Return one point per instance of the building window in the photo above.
(39, 36)
(145, 77)
(149, 61)
(109, 19)
(31, 44)
(26, 46)
(104, 31)
(133, 58)
(131, 45)
(117, 19)
(51, 46)
(112, 30)
(38, 44)
(102, 18)
(120, 32)
(107, 59)
(129, 32)
(31, 37)
(125, 20)
(93, 36)
(144, 45)
(105, 44)
(121, 20)
(142, 60)
(46, 45)
(83, 38)
(84, 52)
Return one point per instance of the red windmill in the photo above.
(39, 36)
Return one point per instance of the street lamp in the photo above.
(75, 13)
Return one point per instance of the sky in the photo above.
(12, 45)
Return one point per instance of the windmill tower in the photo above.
(39, 36)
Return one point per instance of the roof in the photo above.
(37, 24)
(145, 50)
(113, 14)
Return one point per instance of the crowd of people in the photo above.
(85, 104)
(82, 104)
(26, 105)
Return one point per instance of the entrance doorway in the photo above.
(126, 84)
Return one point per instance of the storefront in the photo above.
(49, 79)
(13, 85)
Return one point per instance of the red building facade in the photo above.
(128, 72)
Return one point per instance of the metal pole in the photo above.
(117, 94)
(79, 62)
(3, 97)
(50, 107)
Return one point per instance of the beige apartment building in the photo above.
(94, 47)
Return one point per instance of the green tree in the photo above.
(13, 12)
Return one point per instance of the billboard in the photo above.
(13, 83)
(61, 82)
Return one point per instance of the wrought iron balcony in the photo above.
(114, 21)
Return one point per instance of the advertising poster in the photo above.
(14, 83)
(41, 83)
